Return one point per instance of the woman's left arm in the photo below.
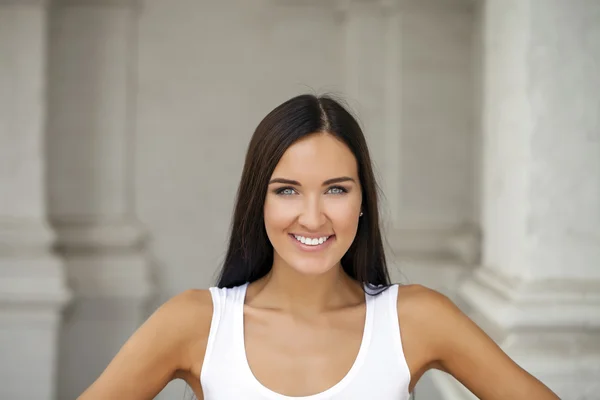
(462, 349)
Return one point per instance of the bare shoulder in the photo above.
(430, 316)
(184, 317)
(191, 308)
(437, 334)
(421, 314)
(187, 316)
(418, 303)
(170, 344)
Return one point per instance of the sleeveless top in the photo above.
(379, 371)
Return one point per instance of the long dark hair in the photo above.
(250, 253)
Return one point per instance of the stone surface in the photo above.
(538, 292)
(32, 280)
(91, 127)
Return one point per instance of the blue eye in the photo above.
(285, 191)
(337, 190)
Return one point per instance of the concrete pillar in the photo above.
(537, 292)
(90, 171)
(32, 281)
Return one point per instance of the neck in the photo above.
(286, 289)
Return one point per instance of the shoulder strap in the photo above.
(218, 299)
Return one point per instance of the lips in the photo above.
(312, 240)
(305, 243)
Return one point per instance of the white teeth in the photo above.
(311, 242)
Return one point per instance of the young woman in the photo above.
(304, 307)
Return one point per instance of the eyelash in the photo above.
(342, 190)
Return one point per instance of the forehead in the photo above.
(320, 156)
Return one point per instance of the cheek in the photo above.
(278, 215)
(344, 218)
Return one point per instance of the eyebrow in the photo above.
(327, 182)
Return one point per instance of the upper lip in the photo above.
(313, 235)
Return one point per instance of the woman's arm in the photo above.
(169, 344)
(450, 341)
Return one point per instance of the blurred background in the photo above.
(123, 130)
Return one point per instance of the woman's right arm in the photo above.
(170, 343)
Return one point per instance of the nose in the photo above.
(312, 216)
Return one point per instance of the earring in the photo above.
(361, 214)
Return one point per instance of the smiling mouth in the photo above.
(312, 241)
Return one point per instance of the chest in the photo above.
(298, 356)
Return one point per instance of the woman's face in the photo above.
(313, 204)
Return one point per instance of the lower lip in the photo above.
(309, 248)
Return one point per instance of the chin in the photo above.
(310, 267)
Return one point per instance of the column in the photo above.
(537, 292)
(32, 279)
(90, 171)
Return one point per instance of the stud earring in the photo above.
(361, 214)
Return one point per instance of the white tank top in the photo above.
(379, 371)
